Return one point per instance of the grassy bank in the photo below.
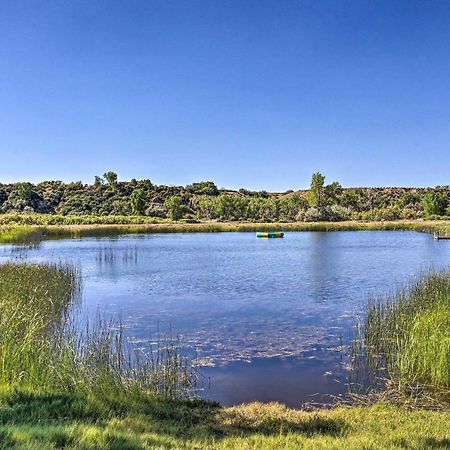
(60, 389)
(42, 349)
(43, 227)
(30, 420)
(407, 338)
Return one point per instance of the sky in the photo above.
(248, 93)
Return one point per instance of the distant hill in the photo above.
(203, 200)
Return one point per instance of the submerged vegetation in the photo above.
(62, 388)
(58, 391)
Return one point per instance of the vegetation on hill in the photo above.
(204, 201)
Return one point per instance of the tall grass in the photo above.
(41, 347)
(46, 227)
(406, 337)
(21, 234)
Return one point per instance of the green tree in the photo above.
(333, 193)
(26, 191)
(290, 206)
(231, 207)
(435, 202)
(98, 181)
(174, 207)
(316, 194)
(138, 200)
(111, 178)
(205, 207)
(202, 188)
(145, 184)
(351, 198)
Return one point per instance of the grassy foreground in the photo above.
(51, 421)
(23, 228)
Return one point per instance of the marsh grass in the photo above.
(43, 349)
(109, 254)
(22, 228)
(21, 234)
(403, 345)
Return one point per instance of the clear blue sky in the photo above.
(255, 94)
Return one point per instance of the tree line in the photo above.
(204, 201)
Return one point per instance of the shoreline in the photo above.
(36, 414)
(13, 232)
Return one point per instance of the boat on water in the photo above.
(270, 234)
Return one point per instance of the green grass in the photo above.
(21, 234)
(42, 349)
(407, 337)
(20, 228)
(43, 421)
(58, 390)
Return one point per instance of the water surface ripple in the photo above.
(262, 315)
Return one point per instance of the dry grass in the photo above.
(21, 233)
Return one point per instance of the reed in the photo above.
(120, 225)
(43, 349)
(405, 339)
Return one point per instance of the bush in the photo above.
(203, 188)
(174, 207)
(313, 215)
(332, 213)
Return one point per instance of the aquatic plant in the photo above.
(42, 348)
(404, 340)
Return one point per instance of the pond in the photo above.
(265, 318)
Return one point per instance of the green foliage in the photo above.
(228, 207)
(98, 181)
(409, 335)
(42, 349)
(333, 193)
(204, 201)
(334, 213)
(111, 178)
(319, 195)
(316, 192)
(202, 188)
(138, 200)
(174, 207)
(435, 202)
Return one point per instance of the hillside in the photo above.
(204, 201)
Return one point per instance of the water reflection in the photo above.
(267, 310)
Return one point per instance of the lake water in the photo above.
(264, 316)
